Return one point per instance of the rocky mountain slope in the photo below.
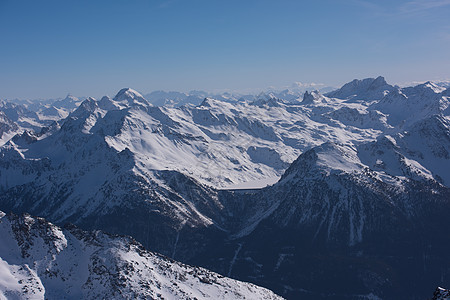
(441, 294)
(39, 260)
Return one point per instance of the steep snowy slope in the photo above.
(7, 128)
(41, 261)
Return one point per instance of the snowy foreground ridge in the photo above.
(40, 260)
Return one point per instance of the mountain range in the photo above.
(336, 195)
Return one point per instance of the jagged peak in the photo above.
(86, 107)
(312, 97)
(208, 102)
(70, 97)
(89, 104)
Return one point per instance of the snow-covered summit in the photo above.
(130, 97)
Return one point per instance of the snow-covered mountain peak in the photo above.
(365, 89)
(433, 86)
(208, 102)
(323, 160)
(88, 106)
(130, 97)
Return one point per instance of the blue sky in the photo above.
(51, 48)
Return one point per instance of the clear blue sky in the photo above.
(51, 48)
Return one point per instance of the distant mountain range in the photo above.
(356, 210)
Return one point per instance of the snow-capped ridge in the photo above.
(208, 102)
(433, 86)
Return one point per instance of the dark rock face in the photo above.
(441, 294)
(397, 255)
